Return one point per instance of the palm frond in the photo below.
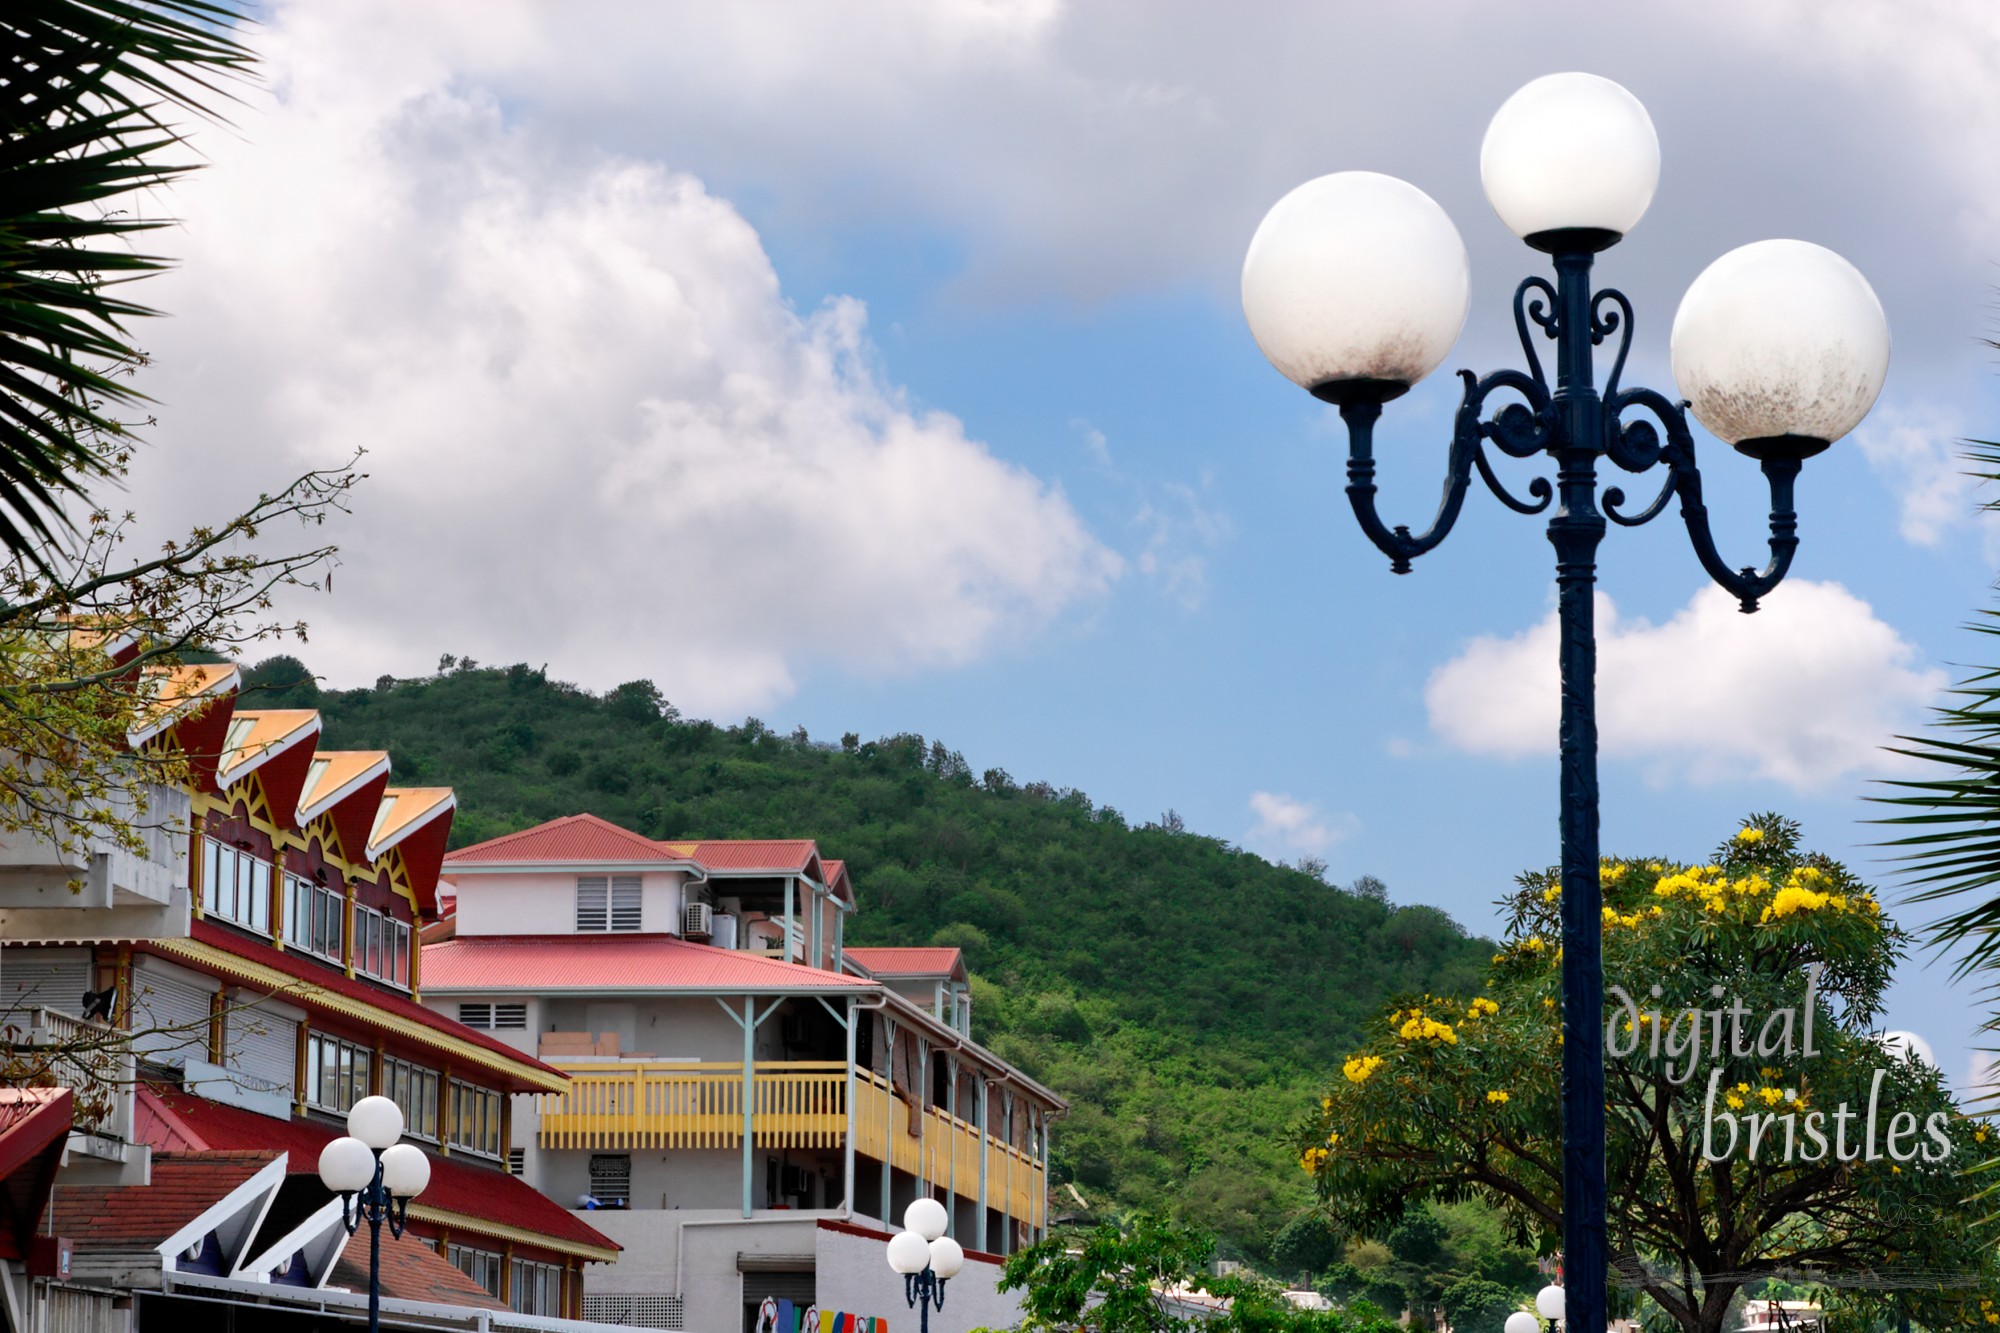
(84, 86)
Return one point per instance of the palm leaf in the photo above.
(83, 88)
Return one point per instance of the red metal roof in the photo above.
(141, 1216)
(777, 856)
(34, 1126)
(483, 1193)
(304, 968)
(908, 962)
(613, 962)
(571, 838)
(411, 1271)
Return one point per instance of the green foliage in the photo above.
(1180, 992)
(1451, 1099)
(82, 83)
(1474, 1305)
(1109, 1279)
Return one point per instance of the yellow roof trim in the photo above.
(284, 983)
(444, 1217)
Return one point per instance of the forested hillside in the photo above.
(1188, 997)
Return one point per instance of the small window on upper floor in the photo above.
(510, 1015)
(607, 904)
(478, 1015)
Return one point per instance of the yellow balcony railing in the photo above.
(625, 1104)
(683, 1104)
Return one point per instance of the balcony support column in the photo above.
(951, 1171)
(985, 1151)
(888, 1116)
(847, 1165)
(791, 918)
(749, 1020)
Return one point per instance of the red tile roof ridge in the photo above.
(907, 959)
(601, 835)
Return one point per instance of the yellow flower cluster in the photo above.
(1629, 920)
(1498, 1097)
(1552, 892)
(1750, 837)
(1991, 1315)
(1419, 1028)
(1799, 895)
(1311, 1158)
(1482, 1008)
(1609, 873)
(1534, 944)
(1359, 1067)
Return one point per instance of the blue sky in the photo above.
(879, 368)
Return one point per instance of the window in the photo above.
(235, 885)
(381, 946)
(482, 1266)
(611, 1179)
(536, 1289)
(336, 1072)
(517, 1161)
(415, 1089)
(608, 904)
(480, 1014)
(474, 1123)
(315, 917)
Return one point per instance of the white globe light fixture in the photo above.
(927, 1218)
(1522, 1322)
(1570, 162)
(1780, 348)
(346, 1166)
(926, 1257)
(376, 1121)
(1356, 286)
(376, 1177)
(947, 1257)
(1551, 1302)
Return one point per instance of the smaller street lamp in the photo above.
(926, 1257)
(1549, 1304)
(375, 1176)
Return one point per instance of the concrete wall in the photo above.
(852, 1271)
(536, 903)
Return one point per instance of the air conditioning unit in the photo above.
(697, 921)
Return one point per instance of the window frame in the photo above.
(353, 1075)
(244, 870)
(414, 1088)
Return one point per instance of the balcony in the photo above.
(637, 1104)
(44, 889)
(94, 1060)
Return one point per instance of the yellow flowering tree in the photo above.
(1757, 1127)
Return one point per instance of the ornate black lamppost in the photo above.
(926, 1257)
(1356, 287)
(375, 1176)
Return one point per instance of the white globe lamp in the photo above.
(1550, 1302)
(926, 1217)
(376, 1121)
(1356, 286)
(1570, 162)
(908, 1253)
(947, 1257)
(1780, 348)
(1522, 1322)
(405, 1170)
(346, 1166)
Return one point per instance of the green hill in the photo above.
(1186, 996)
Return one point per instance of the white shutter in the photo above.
(49, 978)
(263, 1048)
(592, 904)
(178, 1008)
(625, 902)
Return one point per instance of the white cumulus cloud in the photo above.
(1287, 824)
(1803, 693)
(599, 435)
(1918, 451)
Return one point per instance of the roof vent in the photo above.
(697, 921)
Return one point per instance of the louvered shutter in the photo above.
(625, 902)
(263, 1048)
(169, 1017)
(48, 978)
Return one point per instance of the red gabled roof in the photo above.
(571, 838)
(412, 1271)
(292, 964)
(922, 961)
(776, 856)
(141, 1216)
(613, 962)
(34, 1126)
(482, 1193)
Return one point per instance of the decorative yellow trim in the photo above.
(423, 1212)
(282, 983)
(399, 879)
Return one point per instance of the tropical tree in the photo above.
(1756, 1126)
(83, 88)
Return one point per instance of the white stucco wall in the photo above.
(852, 1271)
(540, 903)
